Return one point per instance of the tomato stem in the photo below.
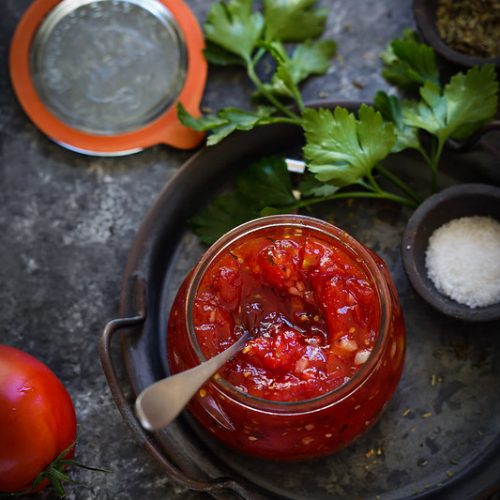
(55, 474)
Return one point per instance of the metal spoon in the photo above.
(160, 403)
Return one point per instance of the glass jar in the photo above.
(295, 429)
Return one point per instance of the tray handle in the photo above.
(146, 439)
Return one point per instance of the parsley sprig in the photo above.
(454, 111)
(236, 34)
(344, 153)
(262, 188)
(409, 63)
(266, 187)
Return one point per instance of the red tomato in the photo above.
(280, 263)
(227, 282)
(37, 419)
(278, 348)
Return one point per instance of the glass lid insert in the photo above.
(108, 66)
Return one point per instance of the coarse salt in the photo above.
(463, 260)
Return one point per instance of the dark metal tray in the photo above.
(440, 435)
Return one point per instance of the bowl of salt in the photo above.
(451, 252)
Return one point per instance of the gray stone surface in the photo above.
(67, 221)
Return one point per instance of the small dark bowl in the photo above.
(458, 201)
(424, 12)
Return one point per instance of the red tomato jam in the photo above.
(328, 337)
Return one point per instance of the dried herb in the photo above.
(470, 26)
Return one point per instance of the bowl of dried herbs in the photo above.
(464, 32)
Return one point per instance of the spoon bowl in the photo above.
(160, 403)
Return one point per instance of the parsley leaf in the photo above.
(224, 213)
(263, 188)
(343, 149)
(234, 27)
(215, 54)
(466, 103)
(202, 123)
(225, 122)
(430, 113)
(293, 21)
(283, 81)
(408, 63)
(275, 211)
(312, 58)
(471, 100)
(266, 183)
(391, 109)
(310, 186)
(309, 58)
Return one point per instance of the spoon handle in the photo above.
(160, 403)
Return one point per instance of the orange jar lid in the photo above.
(103, 77)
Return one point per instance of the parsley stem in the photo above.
(399, 183)
(366, 185)
(383, 195)
(300, 102)
(435, 157)
(257, 57)
(374, 183)
(284, 119)
(257, 82)
(424, 154)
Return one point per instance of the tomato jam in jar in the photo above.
(328, 337)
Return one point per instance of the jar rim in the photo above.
(325, 229)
